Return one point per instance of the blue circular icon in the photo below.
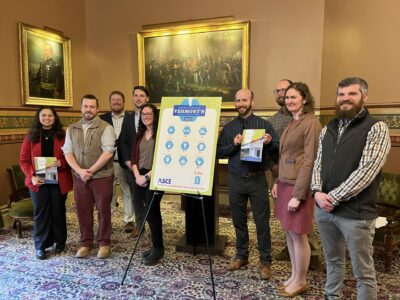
(171, 130)
(167, 159)
(197, 180)
(201, 146)
(186, 130)
(183, 160)
(203, 131)
(185, 146)
(169, 145)
(199, 161)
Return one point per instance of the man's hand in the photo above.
(324, 201)
(267, 138)
(237, 140)
(84, 174)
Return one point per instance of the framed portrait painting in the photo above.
(45, 67)
(195, 60)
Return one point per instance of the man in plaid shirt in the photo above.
(352, 150)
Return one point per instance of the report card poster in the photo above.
(184, 156)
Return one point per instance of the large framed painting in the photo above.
(45, 67)
(195, 60)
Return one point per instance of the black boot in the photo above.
(154, 256)
(41, 254)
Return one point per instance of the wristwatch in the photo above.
(313, 192)
(147, 177)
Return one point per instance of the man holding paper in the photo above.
(246, 180)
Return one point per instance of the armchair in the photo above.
(388, 206)
(20, 203)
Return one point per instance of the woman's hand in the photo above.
(293, 204)
(141, 181)
(37, 181)
(274, 191)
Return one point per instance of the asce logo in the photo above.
(164, 180)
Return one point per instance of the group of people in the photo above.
(97, 151)
(332, 171)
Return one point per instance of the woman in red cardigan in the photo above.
(45, 139)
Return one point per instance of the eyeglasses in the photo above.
(277, 91)
(146, 114)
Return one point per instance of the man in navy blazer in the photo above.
(126, 143)
(117, 117)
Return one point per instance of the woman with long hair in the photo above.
(142, 161)
(45, 139)
(295, 205)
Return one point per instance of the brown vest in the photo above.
(87, 151)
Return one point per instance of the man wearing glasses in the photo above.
(127, 140)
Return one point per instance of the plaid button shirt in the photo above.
(373, 158)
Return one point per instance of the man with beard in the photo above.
(126, 142)
(280, 120)
(352, 150)
(247, 180)
(116, 118)
(88, 149)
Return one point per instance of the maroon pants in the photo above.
(87, 194)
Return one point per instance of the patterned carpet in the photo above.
(179, 276)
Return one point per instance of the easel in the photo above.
(194, 247)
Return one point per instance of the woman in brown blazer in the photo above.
(295, 205)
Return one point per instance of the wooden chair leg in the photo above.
(388, 246)
(18, 226)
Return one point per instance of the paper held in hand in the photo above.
(252, 145)
(45, 169)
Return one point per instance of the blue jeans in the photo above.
(336, 232)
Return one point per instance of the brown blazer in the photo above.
(297, 152)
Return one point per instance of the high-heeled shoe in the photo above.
(286, 294)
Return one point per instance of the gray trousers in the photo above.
(336, 232)
(241, 189)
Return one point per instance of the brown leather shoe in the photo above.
(265, 271)
(315, 263)
(135, 232)
(286, 294)
(237, 264)
(129, 227)
(104, 252)
(82, 252)
(283, 255)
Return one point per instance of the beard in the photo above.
(280, 101)
(243, 111)
(349, 113)
(88, 116)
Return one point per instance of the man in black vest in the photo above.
(352, 150)
(116, 117)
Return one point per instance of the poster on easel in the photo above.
(184, 156)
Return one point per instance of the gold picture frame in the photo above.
(195, 60)
(45, 67)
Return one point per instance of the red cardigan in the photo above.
(26, 159)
